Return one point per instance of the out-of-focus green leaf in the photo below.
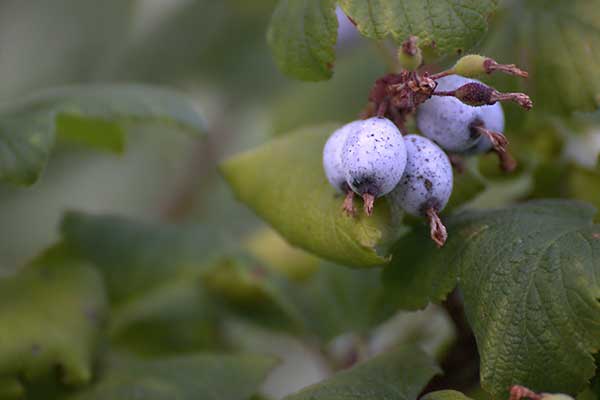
(269, 247)
(91, 132)
(11, 389)
(201, 376)
(134, 256)
(421, 273)
(445, 26)
(445, 395)
(345, 94)
(530, 276)
(176, 317)
(94, 115)
(555, 41)
(238, 61)
(284, 183)
(302, 36)
(467, 185)
(584, 184)
(398, 374)
(332, 301)
(51, 314)
(153, 275)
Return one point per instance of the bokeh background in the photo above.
(215, 52)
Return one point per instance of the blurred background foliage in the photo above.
(185, 268)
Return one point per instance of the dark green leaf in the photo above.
(51, 313)
(206, 377)
(94, 115)
(302, 37)
(397, 375)
(284, 183)
(11, 389)
(530, 277)
(446, 26)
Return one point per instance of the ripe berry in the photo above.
(332, 156)
(492, 119)
(426, 185)
(446, 120)
(374, 158)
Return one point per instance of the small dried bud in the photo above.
(473, 65)
(409, 54)
(477, 94)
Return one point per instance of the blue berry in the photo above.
(446, 120)
(492, 119)
(332, 156)
(426, 185)
(374, 158)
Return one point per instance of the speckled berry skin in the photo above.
(446, 120)
(374, 157)
(427, 180)
(332, 155)
(492, 118)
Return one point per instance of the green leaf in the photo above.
(26, 141)
(554, 41)
(332, 301)
(583, 184)
(152, 272)
(445, 26)
(284, 183)
(202, 376)
(419, 272)
(176, 317)
(529, 276)
(530, 281)
(95, 115)
(269, 247)
(302, 37)
(133, 256)
(11, 388)
(51, 314)
(445, 395)
(397, 375)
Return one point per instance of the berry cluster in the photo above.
(375, 156)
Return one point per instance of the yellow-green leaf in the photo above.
(51, 314)
(284, 183)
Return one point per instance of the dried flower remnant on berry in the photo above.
(477, 94)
